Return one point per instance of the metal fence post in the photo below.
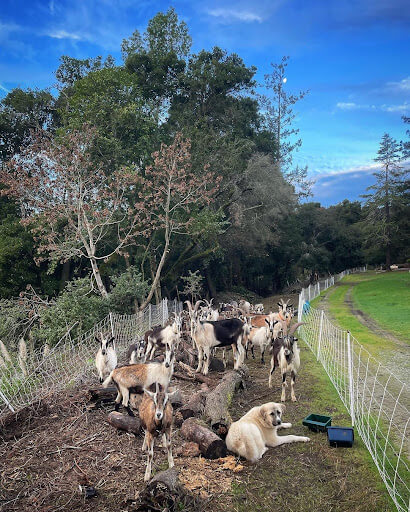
(309, 292)
(320, 334)
(350, 370)
(112, 326)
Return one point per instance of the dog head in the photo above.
(271, 414)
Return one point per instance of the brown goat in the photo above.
(134, 378)
(155, 412)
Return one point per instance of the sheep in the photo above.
(261, 337)
(155, 412)
(136, 352)
(161, 336)
(221, 333)
(134, 378)
(106, 357)
(286, 355)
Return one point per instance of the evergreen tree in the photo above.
(387, 196)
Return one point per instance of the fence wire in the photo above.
(72, 361)
(377, 401)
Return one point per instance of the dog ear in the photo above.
(282, 408)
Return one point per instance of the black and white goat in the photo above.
(136, 352)
(106, 357)
(286, 356)
(220, 333)
(160, 337)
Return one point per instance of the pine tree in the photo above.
(387, 195)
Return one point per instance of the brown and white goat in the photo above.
(134, 378)
(106, 357)
(286, 355)
(155, 412)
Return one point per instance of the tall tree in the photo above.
(73, 208)
(279, 118)
(387, 195)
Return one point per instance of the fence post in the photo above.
(320, 334)
(309, 292)
(350, 370)
(149, 316)
(6, 402)
(112, 326)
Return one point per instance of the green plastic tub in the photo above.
(317, 422)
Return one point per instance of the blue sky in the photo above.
(353, 57)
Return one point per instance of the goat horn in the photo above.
(197, 303)
(189, 304)
(295, 326)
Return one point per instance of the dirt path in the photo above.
(368, 322)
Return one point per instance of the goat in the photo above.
(136, 352)
(261, 337)
(155, 412)
(245, 306)
(220, 333)
(161, 336)
(193, 317)
(286, 355)
(259, 309)
(134, 378)
(106, 357)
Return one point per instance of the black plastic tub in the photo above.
(317, 422)
(340, 436)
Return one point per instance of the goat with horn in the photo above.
(285, 355)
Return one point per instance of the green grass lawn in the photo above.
(383, 297)
(386, 298)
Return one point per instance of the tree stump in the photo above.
(220, 398)
(210, 445)
(124, 422)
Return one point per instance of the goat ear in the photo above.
(171, 394)
(290, 305)
(97, 339)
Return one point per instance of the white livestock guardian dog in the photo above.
(252, 435)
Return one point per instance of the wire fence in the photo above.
(377, 401)
(72, 361)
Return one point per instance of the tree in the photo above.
(20, 113)
(387, 196)
(72, 207)
(278, 118)
(174, 194)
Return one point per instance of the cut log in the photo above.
(124, 422)
(195, 405)
(210, 445)
(163, 492)
(219, 399)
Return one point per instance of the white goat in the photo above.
(106, 357)
(261, 337)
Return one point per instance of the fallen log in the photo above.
(124, 422)
(103, 394)
(195, 405)
(189, 374)
(210, 445)
(219, 399)
(164, 492)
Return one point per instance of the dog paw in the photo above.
(305, 439)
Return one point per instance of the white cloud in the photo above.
(402, 86)
(402, 109)
(63, 34)
(232, 15)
